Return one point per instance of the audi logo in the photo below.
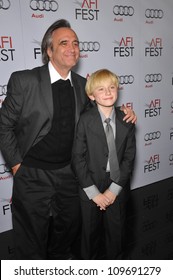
(5, 5)
(44, 5)
(123, 10)
(3, 90)
(89, 46)
(153, 78)
(4, 168)
(152, 136)
(127, 79)
(171, 157)
(153, 13)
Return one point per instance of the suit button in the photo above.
(104, 168)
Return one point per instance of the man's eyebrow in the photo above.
(66, 40)
(63, 40)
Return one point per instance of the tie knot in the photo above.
(107, 121)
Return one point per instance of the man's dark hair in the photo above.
(47, 39)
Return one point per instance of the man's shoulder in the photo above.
(78, 77)
(30, 72)
(33, 74)
(120, 115)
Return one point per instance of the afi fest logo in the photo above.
(125, 47)
(88, 10)
(122, 12)
(154, 108)
(37, 50)
(152, 164)
(153, 78)
(128, 105)
(6, 48)
(154, 48)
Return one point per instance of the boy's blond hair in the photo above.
(98, 77)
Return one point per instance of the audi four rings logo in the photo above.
(89, 46)
(123, 10)
(153, 78)
(3, 90)
(5, 4)
(127, 79)
(152, 135)
(153, 13)
(4, 168)
(44, 5)
(171, 157)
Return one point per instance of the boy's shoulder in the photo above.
(120, 115)
(89, 113)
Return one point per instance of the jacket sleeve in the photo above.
(79, 157)
(128, 157)
(9, 116)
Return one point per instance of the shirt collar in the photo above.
(55, 76)
(112, 115)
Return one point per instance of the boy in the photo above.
(104, 188)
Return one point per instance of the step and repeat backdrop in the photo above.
(133, 38)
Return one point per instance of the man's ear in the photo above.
(49, 52)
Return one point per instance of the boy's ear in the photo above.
(91, 97)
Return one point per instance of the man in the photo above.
(37, 127)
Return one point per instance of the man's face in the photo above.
(64, 53)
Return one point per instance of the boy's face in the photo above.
(105, 95)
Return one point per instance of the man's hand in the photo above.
(102, 201)
(130, 115)
(15, 168)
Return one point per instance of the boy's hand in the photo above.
(102, 201)
(111, 196)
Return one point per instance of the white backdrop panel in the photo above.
(132, 38)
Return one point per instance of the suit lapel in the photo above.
(96, 125)
(121, 132)
(77, 96)
(46, 89)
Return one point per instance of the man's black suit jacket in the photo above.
(27, 111)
